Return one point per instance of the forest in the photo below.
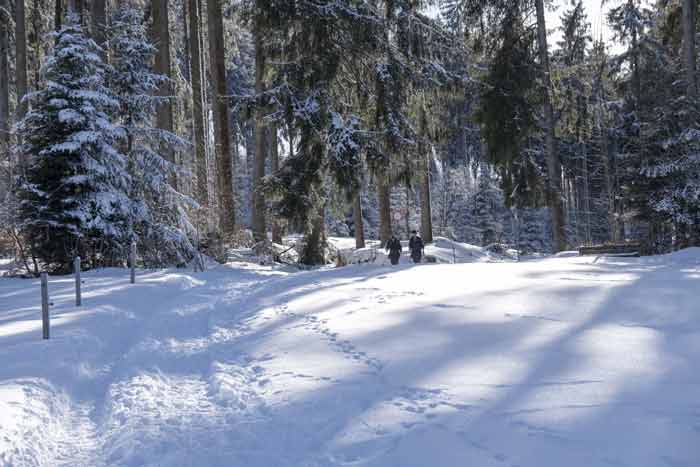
(191, 126)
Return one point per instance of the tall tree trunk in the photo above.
(21, 56)
(217, 63)
(21, 64)
(314, 252)
(5, 84)
(58, 15)
(384, 198)
(689, 7)
(99, 23)
(35, 38)
(198, 108)
(161, 36)
(689, 45)
(426, 214)
(553, 163)
(258, 214)
(609, 185)
(636, 78)
(274, 167)
(357, 220)
(383, 177)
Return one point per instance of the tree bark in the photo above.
(314, 253)
(58, 15)
(35, 36)
(161, 36)
(99, 24)
(196, 72)
(426, 214)
(258, 214)
(21, 55)
(689, 46)
(384, 198)
(274, 167)
(357, 221)
(553, 163)
(21, 65)
(5, 84)
(217, 63)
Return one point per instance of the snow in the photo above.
(441, 250)
(548, 362)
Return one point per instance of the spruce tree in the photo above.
(159, 220)
(74, 198)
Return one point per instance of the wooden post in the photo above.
(45, 304)
(132, 262)
(76, 270)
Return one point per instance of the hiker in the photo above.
(416, 246)
(394, 248)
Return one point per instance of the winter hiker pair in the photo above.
(415, 246)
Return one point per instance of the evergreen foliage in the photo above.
(159, 217)
(74, 200)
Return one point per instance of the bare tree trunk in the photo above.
(357, 221)
(58, 15)
(161, 37)
(689, 7)
(21, 67)
(609, 185)
(217, 63)
(258, 215)
(274, 167)
(689, 45)
(314, 253)
(35, 37)
(196, 72)
(21, 55)
(384, 198)
(553, 163)
(5, 84)
(426, 214)
(99, 23)
(407, 217)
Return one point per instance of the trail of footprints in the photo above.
(343, 346)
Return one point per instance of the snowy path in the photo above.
(543, 363)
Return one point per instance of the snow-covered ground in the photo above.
(555, 362)
(441, 250)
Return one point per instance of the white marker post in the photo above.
(76, 270)
(132, 262)
(45, 304)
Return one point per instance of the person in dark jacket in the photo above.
(416, 246)
(394, 248)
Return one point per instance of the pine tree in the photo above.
(485, 208)
(74, 198)
(159, 218)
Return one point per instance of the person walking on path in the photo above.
(394, 248)
(416, 246)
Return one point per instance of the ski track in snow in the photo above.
(547, 362)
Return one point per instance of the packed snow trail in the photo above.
(542, 363)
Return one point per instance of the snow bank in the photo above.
(442, 250)
(445, 250)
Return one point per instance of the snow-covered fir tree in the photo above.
(74, 199)
(486, 202)
(158, 218)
